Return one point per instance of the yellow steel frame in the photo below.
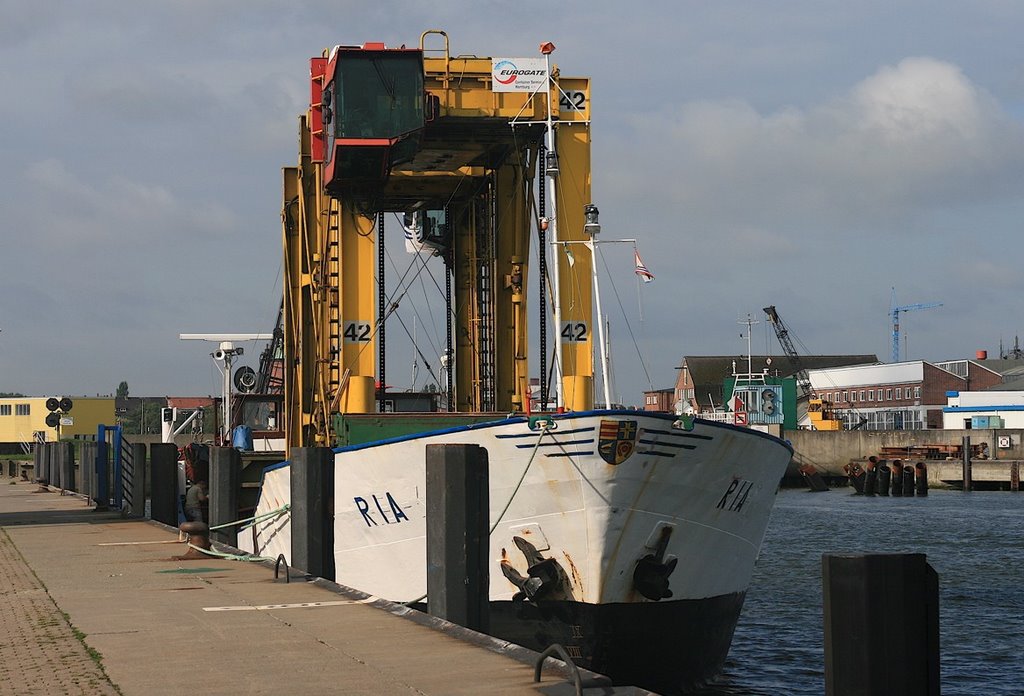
(330, 259)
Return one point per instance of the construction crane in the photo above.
(782, 333)
(896, 321)
(820, 412)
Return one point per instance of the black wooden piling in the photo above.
(87, 470)
(853, 472)
(968, 483)
(38, 458)
(225, 482)
(312, 510)
(921, 479)
(67, 466)
(871, 476)
(881, 625)
(908, 481)
(1015, 476)
(457, 534)
(815, 483)
(52, 473)
(138, 492)
(884, 474)
(897, 478)
(164, 489)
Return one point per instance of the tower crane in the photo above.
(896, 321)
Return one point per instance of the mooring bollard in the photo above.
(895, 651)
(458, 502)
(921, 479)
(884, 474)
(198, 536)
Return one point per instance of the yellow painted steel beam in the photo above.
(467, 323)
(513, 244)
(296, 281)
(358, 309)
(578, 329)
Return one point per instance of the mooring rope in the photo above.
(246, 521)
(229, 556)
(536, 446)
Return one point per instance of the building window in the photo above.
(853, 396)
(21, 409)
(844, 396)
(888, 394)
(917, 392)
(899, 393)
(5, 409)
(871, 394)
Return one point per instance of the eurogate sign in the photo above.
(518, 74)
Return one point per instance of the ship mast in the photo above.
(551, 174)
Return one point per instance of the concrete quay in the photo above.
(91, 603)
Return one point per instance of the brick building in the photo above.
(659, 400)
(897, 396)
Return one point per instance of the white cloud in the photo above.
(918, 133)
(116, 209)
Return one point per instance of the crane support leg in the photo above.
(576, 295)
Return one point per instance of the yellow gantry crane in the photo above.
(443, 141)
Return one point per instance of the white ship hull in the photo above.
(701, 496)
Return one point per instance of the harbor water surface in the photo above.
(974, 541)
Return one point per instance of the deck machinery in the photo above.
(393, 130)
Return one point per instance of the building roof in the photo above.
(1012, 383)
(189, 401)
(713, 369)
(1007, 367)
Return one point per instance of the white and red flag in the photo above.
(641, 269)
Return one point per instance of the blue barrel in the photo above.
(241, 438)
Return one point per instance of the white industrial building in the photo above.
(983, 410)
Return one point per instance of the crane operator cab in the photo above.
(372, 112)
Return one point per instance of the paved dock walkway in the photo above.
(94, 604)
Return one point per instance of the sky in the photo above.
(810, 155)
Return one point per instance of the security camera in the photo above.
(219, 354)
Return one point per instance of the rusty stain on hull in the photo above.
(577, 579)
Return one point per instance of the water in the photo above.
(974, 542)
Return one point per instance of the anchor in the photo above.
(650, 577)
(544, 576)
